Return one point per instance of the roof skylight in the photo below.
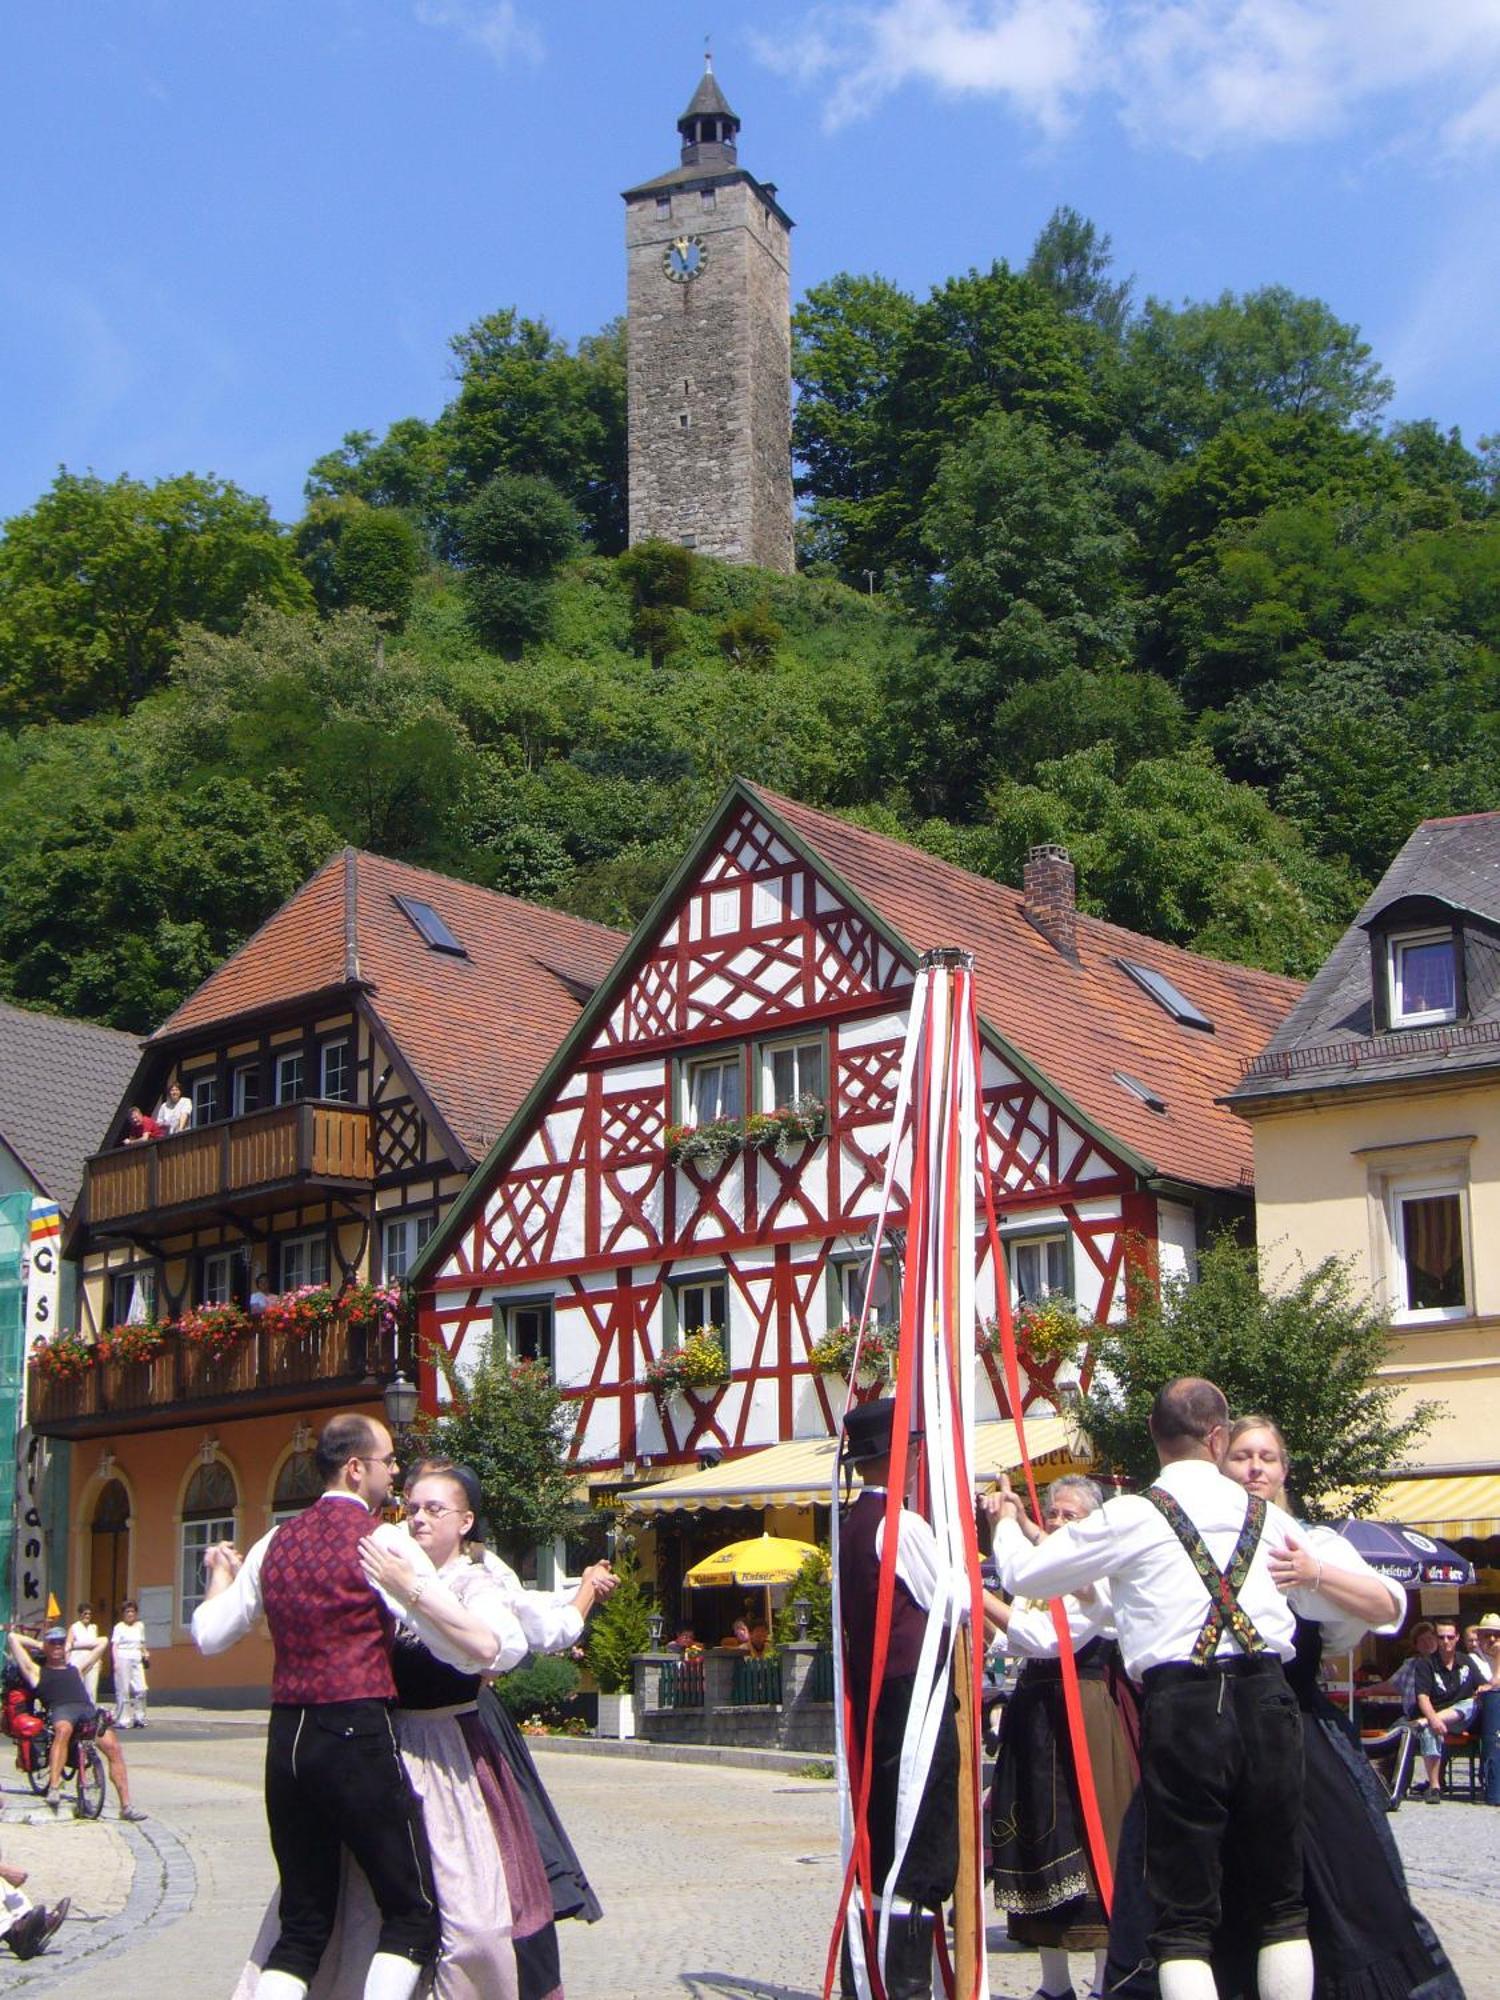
(434, 931)
(1166, 995)
(1148, 1097)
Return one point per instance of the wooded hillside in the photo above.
(1157, 581)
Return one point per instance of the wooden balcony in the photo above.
(266, 1373)
(240, 1164)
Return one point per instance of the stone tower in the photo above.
(708, 312)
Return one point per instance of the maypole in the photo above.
(937, 1130)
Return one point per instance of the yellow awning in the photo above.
(1454, 1507)
(800, 1472)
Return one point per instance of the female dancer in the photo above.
(498, 1938)
(1368, 1941)
(1043, 1876)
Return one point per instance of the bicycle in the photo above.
(83, 1766)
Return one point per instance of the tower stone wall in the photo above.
(710, 362)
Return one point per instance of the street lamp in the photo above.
(801, 1611)
(656, 1625)
(401, 1401)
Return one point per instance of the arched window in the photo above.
(207, 1517)
(297, 1486)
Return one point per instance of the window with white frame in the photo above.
(337, 1064)
(1041, 1267)
(303, 1260)
(244, 1094)
(702, 1302)
(1423, 968)
(789, 1070)
(132, 1296)
(208, 1509)
(1431, 1265)
(712, 1088)
(291, 1077)
(401, 1237)
(527, 1327)
(205, 1099)
(216, 1279)
(851, 1275)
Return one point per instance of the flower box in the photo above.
(711, 1145)
(697, 1364)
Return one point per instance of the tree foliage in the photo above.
(98, 579)
(510, 1424)
(620, 1628)
(1304, 1349)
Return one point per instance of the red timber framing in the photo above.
(755, 940)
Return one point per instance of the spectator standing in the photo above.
(259, 1298)
(128, 1648)
(175, 1112)
(1445, 1685)
(84, 1651)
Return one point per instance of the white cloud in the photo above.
(1201, 75)
(496, 26)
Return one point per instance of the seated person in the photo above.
(759, 1640)
(60, 1688)
(738, 1638)
(26, 1927)
(1444, 1684)
(684, 1642)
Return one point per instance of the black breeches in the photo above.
(1221, 1782)
(334, 1779)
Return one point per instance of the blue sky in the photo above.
(236, 229)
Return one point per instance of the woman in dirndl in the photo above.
(1043, 1875)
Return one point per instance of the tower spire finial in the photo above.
(708, 55)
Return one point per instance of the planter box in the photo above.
(616, 1716)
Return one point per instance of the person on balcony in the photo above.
(175, 1112)
(260, 1296)
(141, 1127)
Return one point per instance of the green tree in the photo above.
(354, 554)
(619, 1629)
(528, 406)
(750, 638)
(662, 579)
(1305, 1350)
(98, 579)
(511, 539)
(1072, 261)
(511, 1425)
(814, 1582)
(404, 469)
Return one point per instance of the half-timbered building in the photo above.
(648, 1189)
(345, 1069)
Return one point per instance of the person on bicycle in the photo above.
(60, 1688)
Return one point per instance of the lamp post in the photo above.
(655, 1626)
(801, 1611)
(401, 1401)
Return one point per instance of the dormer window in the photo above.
(1423, 971)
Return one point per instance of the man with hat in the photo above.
(61, 1690)
(929, 1867)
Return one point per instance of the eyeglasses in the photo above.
(390, 1460)
(431, 1507)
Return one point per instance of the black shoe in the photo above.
(28, 1934)
(55, 1921)
(908, 1957)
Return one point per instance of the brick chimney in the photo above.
(1051, 899)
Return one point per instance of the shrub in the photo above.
(619, 1629)
(543, 1687)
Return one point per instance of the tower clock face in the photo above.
(684, 259)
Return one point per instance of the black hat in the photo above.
(867, 1430)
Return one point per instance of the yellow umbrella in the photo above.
(764, 1559)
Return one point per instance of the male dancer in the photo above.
(1198, 1573)
(334, 1776)
(929, 1868)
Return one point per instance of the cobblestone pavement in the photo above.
(718, 1883)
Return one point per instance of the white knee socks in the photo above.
(1101, 1961)
(1285, 1971)
(1056, 1978)
(391, 1978)
(1186, 1979)
(280, 1986)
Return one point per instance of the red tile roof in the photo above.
(1077, 1023)
(476, 1031)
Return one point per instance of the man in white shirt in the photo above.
(1197, 1574)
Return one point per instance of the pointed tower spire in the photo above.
(709, 128)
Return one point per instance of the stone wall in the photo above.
(710, 374)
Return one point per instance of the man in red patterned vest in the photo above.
(334, 1776)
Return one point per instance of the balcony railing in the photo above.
(244, 1161)
(333, 1362)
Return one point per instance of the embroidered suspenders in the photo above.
(1223, 1585)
